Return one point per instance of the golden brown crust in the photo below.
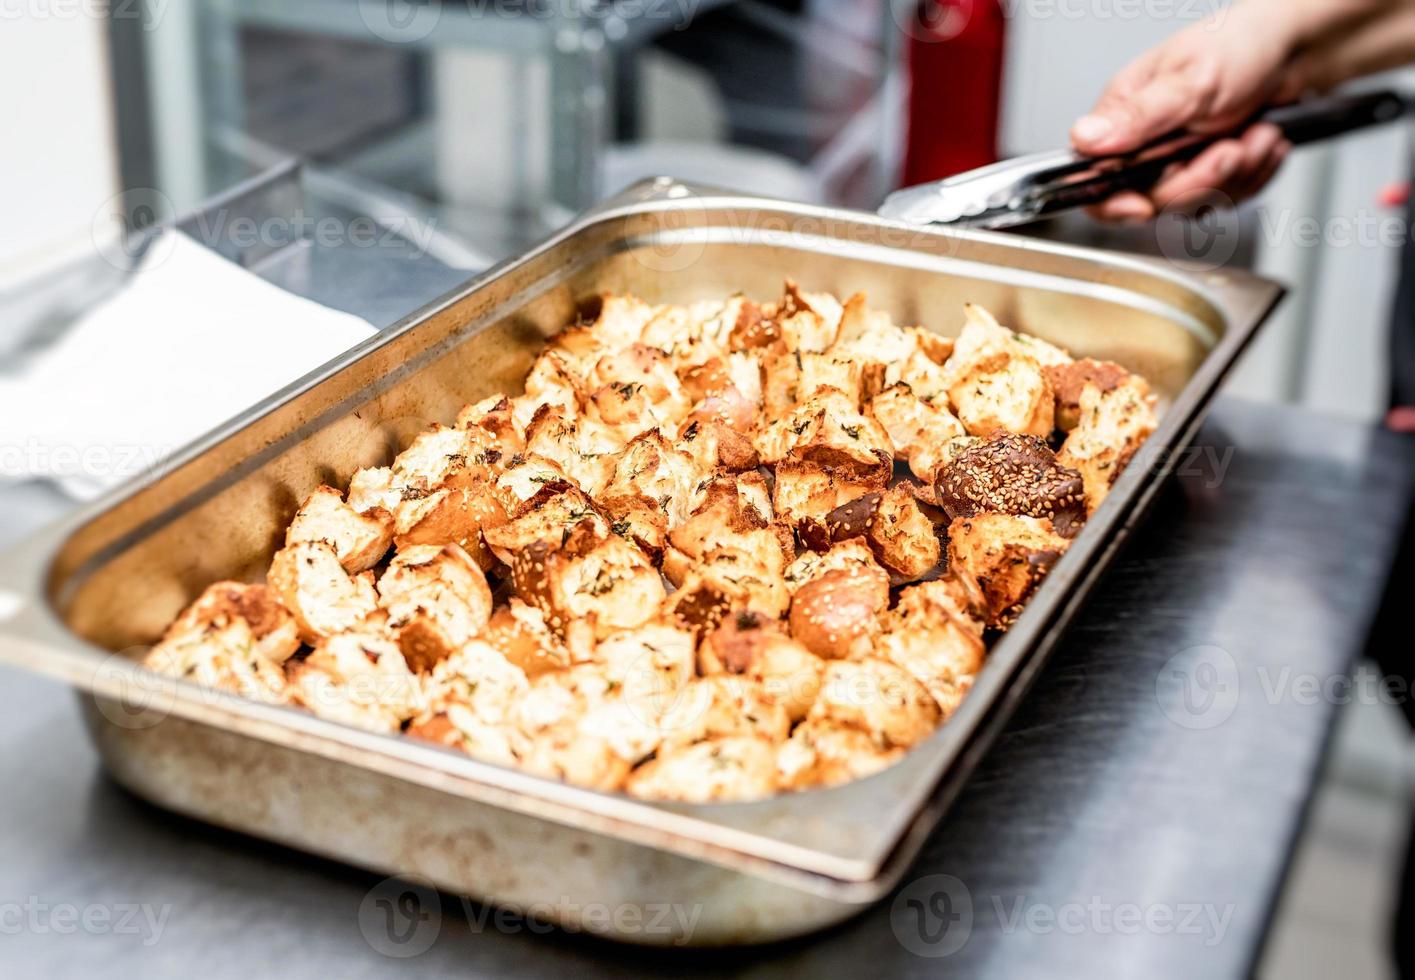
(666, 567)
(323, 598)
(880, 699)
(1111, 427)
(359, 539)
(271, 625)
(1070, 379)
(1008, 556)
(437, 599)
(837, 614)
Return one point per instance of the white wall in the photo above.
(58, 166)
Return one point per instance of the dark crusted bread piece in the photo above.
(1013, 474)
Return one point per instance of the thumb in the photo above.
(1129, 116)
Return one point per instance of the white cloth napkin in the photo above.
(190, 341)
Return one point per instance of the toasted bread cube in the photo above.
(902, 537)
(437, 599)
(825, 753)
(919, 432)
(830, 422)
(756, 328)
(623, 319)
(359, 540)
(837, 614)
(729, 579)
(716, 770)
(808, 322)
(717, 447)
(437, 454)
(459, 728)
(877, 697)
(494, 415)
(648, 667)
(830, 372)
(753, 645)
(604, 584)
(549, 518)
(480, 679)
(1069, 379)
(749, 572)
(649, 374)
(693, 335)
(581, 448)
(324, 598)
(995, 384)
(456, 514)
(729, 513)
(781, 374)
(224, 654)
(581, 729)
(275, 631)
(552, 385)
(520, 633)
(1111, 428)
(359, 677)
(524, 481)
(1008, 556)
(1012, 395)
(372, 489)
(849, 554)
(653, 484)
(807, 491)
(935, 634)
(723, 706)
(573, 757)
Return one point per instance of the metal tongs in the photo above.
(1024, 189)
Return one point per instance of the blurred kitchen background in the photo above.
(489, 123)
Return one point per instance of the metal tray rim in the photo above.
(695, 835)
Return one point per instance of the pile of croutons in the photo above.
(712, 552)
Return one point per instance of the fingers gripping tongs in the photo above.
(1025, 189)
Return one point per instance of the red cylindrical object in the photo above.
(955, 52)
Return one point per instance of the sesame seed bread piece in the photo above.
(1013, 474)
(837, 614)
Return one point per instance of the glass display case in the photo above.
(504, 118)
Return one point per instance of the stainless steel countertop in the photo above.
(1136, 818)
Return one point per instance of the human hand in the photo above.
(1208, 78)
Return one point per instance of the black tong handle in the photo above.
(1085, 181)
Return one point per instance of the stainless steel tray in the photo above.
(82, 600)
